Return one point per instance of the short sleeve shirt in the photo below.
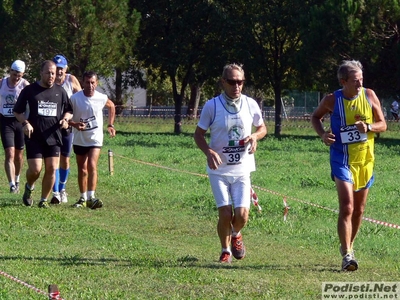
(46, 108)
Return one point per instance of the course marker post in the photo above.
(54, 293)
(111, 162)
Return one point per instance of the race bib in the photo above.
(47, 109)
(234, 152)
(350, 134)
(90, 123)
(7, 110)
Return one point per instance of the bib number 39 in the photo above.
(233, 155)
(233, 158)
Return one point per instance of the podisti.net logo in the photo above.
(361, 290)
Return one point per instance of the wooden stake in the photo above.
(54, 293)
(110, 162)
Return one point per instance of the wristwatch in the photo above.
(369, 127)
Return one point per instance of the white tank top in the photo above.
(9, 96)
(67, 85)
(88, 110)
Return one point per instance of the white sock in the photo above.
(235, 234)
(84, 196)
(90, 194)
(226, 250)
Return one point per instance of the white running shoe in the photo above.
(63, 196)
(349, 263)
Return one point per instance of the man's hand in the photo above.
(361, 126)
(213, 159)
(252, 139)
(111, 130)
(77, 125)
(28, 129)
(328, 138)
(64, 124)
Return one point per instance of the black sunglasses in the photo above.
(234, 82)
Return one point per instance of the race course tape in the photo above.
(286, 209)
(50, 296)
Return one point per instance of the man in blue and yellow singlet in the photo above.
(356, 115)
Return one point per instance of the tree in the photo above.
(381, 46)
(92, 34)
(348, 29)
(179, 38)
(269, 38)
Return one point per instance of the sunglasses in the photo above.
(234, 82)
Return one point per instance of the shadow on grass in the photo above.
(184, 262)
(72, 261)
(313, 268)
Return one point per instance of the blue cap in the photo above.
(60, 61)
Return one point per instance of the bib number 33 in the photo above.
(350, 134)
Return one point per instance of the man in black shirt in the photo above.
(49, 111)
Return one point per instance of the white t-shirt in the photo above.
(90, 111)
(227, 132)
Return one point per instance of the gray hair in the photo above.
(347, 67)
(228, 68)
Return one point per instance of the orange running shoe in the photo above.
(238, 248)
(225, 257)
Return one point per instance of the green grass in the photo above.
(155, 237)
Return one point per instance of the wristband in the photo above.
(24, 123)
(110, 125)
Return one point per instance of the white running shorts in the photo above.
(231, 190)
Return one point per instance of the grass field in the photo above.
(155, 237)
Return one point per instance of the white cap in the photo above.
(18, 66)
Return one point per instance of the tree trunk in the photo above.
(178, 115)
(278, 113)
(118, 92)
(193, 105)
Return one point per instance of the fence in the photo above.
(166, 112)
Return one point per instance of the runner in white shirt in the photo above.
(230, 156)
(12, 135)
(87, 123)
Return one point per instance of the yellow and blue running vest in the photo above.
(352, 154)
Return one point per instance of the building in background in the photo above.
(133, 97)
